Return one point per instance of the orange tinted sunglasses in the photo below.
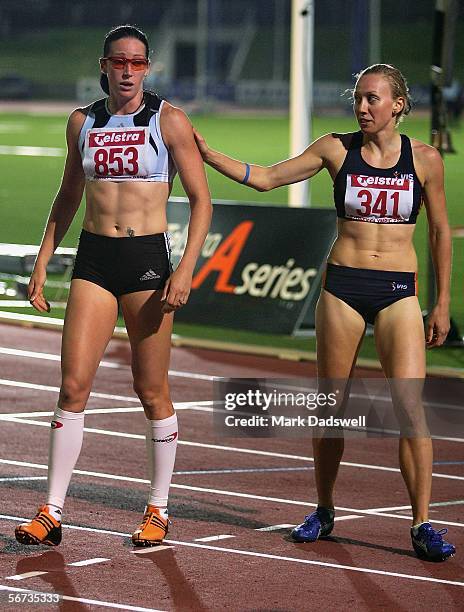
(119, 63)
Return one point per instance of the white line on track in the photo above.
(201, 406)
(398, 508)
(120, 434)
(88, 562)
(191, 375)
(18, 478)
(94, 602)
(25, 575)
(151, 549)
(238, 494)
(214, 538)
(25, 385)
(250, 553)
(4, 350)
(32, 151)
(275, 527)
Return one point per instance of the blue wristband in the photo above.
(247, 175)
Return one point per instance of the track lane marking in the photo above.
(96, 602)
(151, 549)
(25, 575)
(214, 538)
(275, 527)
(249, 553)
(235, 449)
(105, 364)
(223, 492)
(88, 562)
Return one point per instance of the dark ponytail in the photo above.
(123, 31)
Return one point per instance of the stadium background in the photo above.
(229, 69)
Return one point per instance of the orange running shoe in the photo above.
(153, 529)
(43, 529)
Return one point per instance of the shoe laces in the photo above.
(150, 519)
(435, 537)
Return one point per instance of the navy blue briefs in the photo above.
(123, 265)
(369, 291)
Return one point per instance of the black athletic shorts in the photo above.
(369, 291)
(123, 265)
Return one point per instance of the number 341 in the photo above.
(380, 206)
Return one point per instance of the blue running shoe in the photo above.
(429, 544)
(316, 525)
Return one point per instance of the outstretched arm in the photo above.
(264, 178)
(62, 213)
(438, 322)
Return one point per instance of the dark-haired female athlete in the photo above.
(380, 180)
(124, 150)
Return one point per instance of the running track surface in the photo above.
(232, 502)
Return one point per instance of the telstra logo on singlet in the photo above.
(110, 138)
(386, 182)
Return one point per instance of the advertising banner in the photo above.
(260, 268)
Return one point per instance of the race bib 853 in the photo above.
(112, 153)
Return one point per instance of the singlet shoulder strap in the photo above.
(152, 105)
(98, 109)
(406, 157)
(356, 141)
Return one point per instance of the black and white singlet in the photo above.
(377, 195)
(125, 147)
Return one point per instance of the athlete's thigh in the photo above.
(90, 318)
(400, 339)
(149, 333)
(339, 332)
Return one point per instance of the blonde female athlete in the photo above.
(124, 150)
(380, 180)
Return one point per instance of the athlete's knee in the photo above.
(74, 391)
(153, 396)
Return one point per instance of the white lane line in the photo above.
(151, 549)
(277, 500)
(398, 508)
(18, 478)
(250, 553)
(25, 575)
(275, 527)
(347, 517)
(25, 385)
(235, 449)
(214, 538)
(201, 406)
(96, 602)
(88, 562)
(32, 151)
(4, 350)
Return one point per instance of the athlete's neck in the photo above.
(118, 106)
(382, 142)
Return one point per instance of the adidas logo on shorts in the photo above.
(150, 275)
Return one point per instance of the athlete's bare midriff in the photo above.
(374, 246)
(377, 246)
(119, 209)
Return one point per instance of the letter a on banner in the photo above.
(225, 258)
